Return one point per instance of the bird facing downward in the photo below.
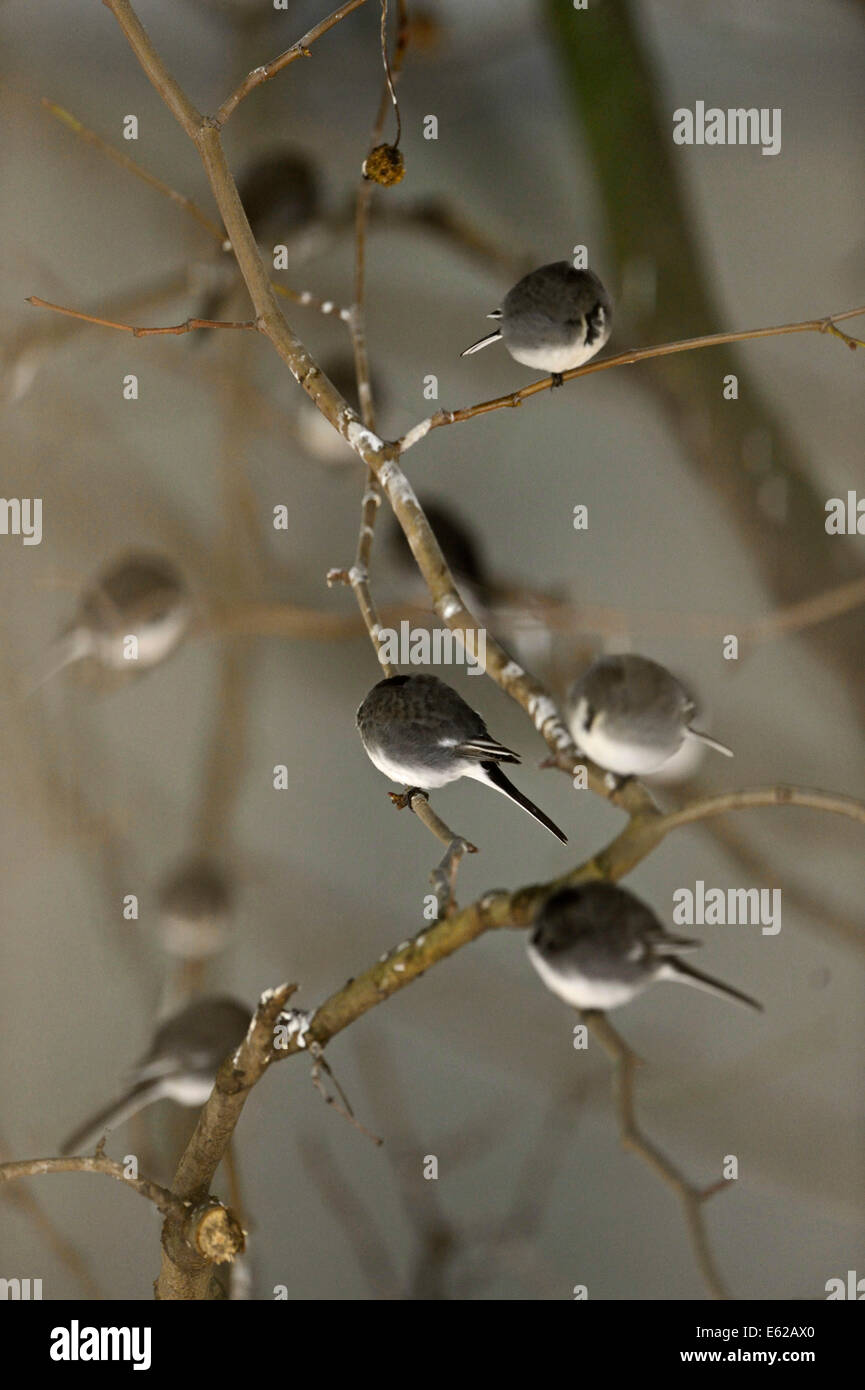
(630, 715)
(597, 947)
(554, 319)
(180, 1065)
(419, 732)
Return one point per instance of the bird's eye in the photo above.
(589, 717)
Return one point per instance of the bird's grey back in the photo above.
(550, 303)
(633, 689)
(202, 1032)
(147, 585)
(595, 928)
(417, 707)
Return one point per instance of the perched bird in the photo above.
(281, 198)
(419, 732)
(141, 596)
(194, 909)
(630, 715)
(597, 946)
(181, 1064)
(554, 319)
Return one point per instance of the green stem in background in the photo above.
(612, 85)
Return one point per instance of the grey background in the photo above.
(101, 790)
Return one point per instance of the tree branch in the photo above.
(186, 1272)
(625, 359)
(264, 74)
(166, 1202)
(187, 326)
(692, 1199)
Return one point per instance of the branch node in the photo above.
(215, 1232)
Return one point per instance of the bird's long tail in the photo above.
(482, 343)
(145, 1093)
(711, 742)
(687, 974)
(497, 779)
(71, 647)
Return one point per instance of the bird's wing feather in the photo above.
(485, 748)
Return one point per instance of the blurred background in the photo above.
(706, 518)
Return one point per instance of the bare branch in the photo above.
(188, 325)
(186, 1272)
(264, 74)
(119, 157)
(624, 359)
(165, 1201)
(625, 1062)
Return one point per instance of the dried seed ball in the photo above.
(384, 165)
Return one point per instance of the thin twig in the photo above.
(268, 70)
(188, 325)
(119, 157)
(167, 1202)
(303, 297)
(358, 575)
(723, 802)
(623, 359)
(692, 1199)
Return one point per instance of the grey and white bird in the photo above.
(554, 319)
(597, 947)
(420, 733)
(630, 715)
(140, 596)
(195, 903)
(180, 1065)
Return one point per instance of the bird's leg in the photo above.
(401, 800)
(558, 379)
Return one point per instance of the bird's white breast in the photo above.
(625, 757)
(156, 641)
(407, 774)
(560, 359)
(582, 993)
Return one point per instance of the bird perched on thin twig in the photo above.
(554, 319)
(419, 732)
(630, 715)
(597, 947)
(180, 1065)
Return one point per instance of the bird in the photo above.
(554, 319)
(630, 715)
(194, 908)
(597, 946)
(419, 732)
(281, 197)
(140, 595)
(180, 1065)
